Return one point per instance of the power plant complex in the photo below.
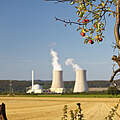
(57, 85)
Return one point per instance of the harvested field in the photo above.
(50, 108)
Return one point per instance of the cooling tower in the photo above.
(57, 82)
(80, 83)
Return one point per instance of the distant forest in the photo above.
(17, 86)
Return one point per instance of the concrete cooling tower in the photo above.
(80, 83)
(57, 82)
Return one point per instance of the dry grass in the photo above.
(43, 108)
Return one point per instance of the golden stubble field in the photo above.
(51, 108)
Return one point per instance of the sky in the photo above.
(28, 30)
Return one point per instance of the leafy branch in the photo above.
(91, 17)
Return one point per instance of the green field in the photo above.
(68, 95)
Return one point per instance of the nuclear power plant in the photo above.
(57, 82)
(57, 85)
(80, 82)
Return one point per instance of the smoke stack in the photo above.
(57, 82)
(80, 83)
(32, 80)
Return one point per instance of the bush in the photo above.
(72, 114)
(113, 91)
(112, 112)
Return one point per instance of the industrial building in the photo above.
(80, 82)
(34, 88)
(57, 82)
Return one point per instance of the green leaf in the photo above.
(78, 12)
(102, 4)
(72, 3)
(91, 7)
(81, 14)
(86, 30)
(85, 41)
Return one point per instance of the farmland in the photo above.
(51, 108)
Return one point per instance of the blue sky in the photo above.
(28, 31)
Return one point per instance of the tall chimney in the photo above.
(32, 80)
(80, 83)
(57, 82)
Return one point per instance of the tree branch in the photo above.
(69, 22)
(116, 28)
(115, 72)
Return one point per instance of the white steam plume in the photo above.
(55, 59)
(69, 61)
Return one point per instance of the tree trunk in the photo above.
(116, 29)
(117, 34)
(3, 112)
